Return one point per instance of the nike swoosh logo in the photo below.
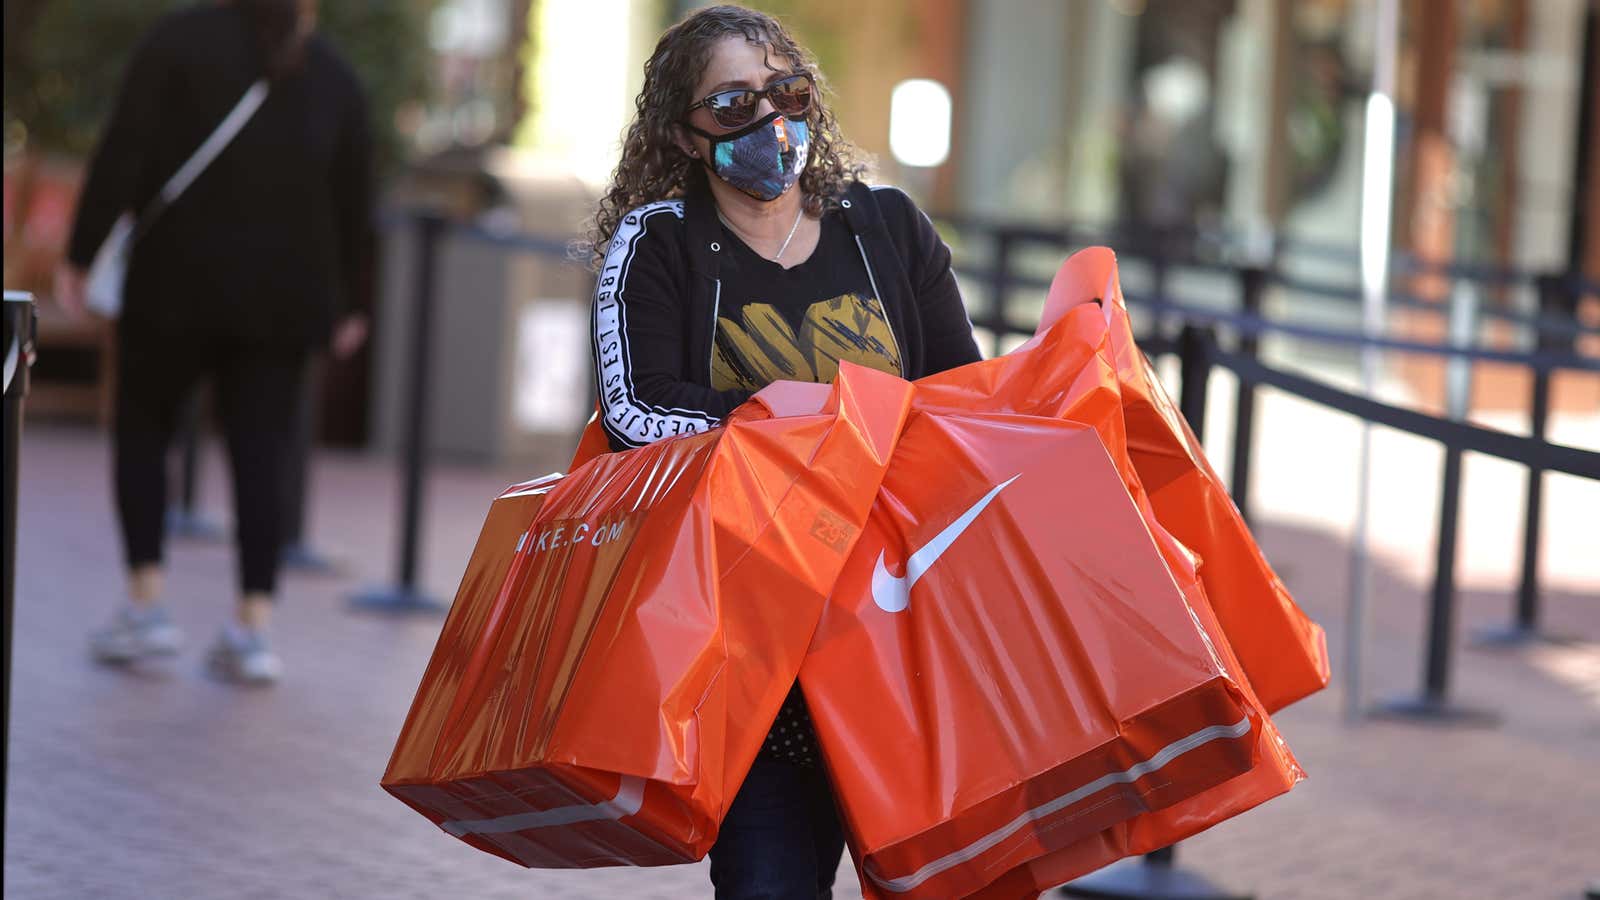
(892, 593)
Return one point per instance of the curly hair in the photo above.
(653, 167)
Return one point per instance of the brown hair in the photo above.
(653, 167)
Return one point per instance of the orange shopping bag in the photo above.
(1008, 666)
(619, 631)
(1283, 652)
(1160, 445)
(1275, 772)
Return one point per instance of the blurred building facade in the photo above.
(1242, 114)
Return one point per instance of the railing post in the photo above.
(999, 288)
(1557, 299)
(1441, 614)
(1252, 282)
(1434, 701)
(1194, 365)
(404, 596)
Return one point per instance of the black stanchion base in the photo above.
(1510, 637)
(194, 526)
(1432, 711)
(1593, 893)
(396, 599)
(305, 558)
(1135, 879)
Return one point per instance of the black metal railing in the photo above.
(1554, 324)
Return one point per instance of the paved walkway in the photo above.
(163, 784)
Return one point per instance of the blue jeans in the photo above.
(781, 839)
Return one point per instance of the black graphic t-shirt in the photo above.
(796, 325)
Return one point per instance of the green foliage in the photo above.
(387, 43)
(61, 77)
(63, 68)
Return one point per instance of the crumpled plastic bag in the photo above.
(597, 692)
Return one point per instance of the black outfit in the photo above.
(797, 324)
(662, 290)
(688, 323)
(245, 273)
(781, 838)
(256, 391)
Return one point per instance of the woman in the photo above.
(735, 247)
(237, 281)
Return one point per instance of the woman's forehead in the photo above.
(735, 62)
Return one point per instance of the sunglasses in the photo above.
(790, 96)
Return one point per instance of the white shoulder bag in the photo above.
(110, 266)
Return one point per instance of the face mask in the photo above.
(764, 159)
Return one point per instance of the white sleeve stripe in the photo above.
(676, 206)
(622, 414)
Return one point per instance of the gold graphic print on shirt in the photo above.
(764, 348)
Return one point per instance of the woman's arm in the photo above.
(113, 175)
(947, 340)
(638, 338)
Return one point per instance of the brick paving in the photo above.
(161, 783)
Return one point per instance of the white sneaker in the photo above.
(242, 655)
(136, 634)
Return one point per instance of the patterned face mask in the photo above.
(764, 159)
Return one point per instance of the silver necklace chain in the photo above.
(793, 229)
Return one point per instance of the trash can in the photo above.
(510, 374)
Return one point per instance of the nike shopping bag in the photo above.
(1090, 275)
(1283, 652)
(1167, 790)
(1008, 665)
(623, 634)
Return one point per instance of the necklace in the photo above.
(792, 230)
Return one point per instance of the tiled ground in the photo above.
(164, 784)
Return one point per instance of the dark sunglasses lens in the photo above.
(791, 96)
(732, 109)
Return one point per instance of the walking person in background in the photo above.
(738, 246)
(265, 258)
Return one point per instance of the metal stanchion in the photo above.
(1252, 281)
(1153, 876)
(1557, 297)
(1433, 703)
(21, 329)
(404, 595)
(1156, 875)
(298, 553)
(184, 519)
(999, 288)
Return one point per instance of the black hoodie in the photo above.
(658, 293)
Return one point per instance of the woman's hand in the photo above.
(71, 293)
(349, 333)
